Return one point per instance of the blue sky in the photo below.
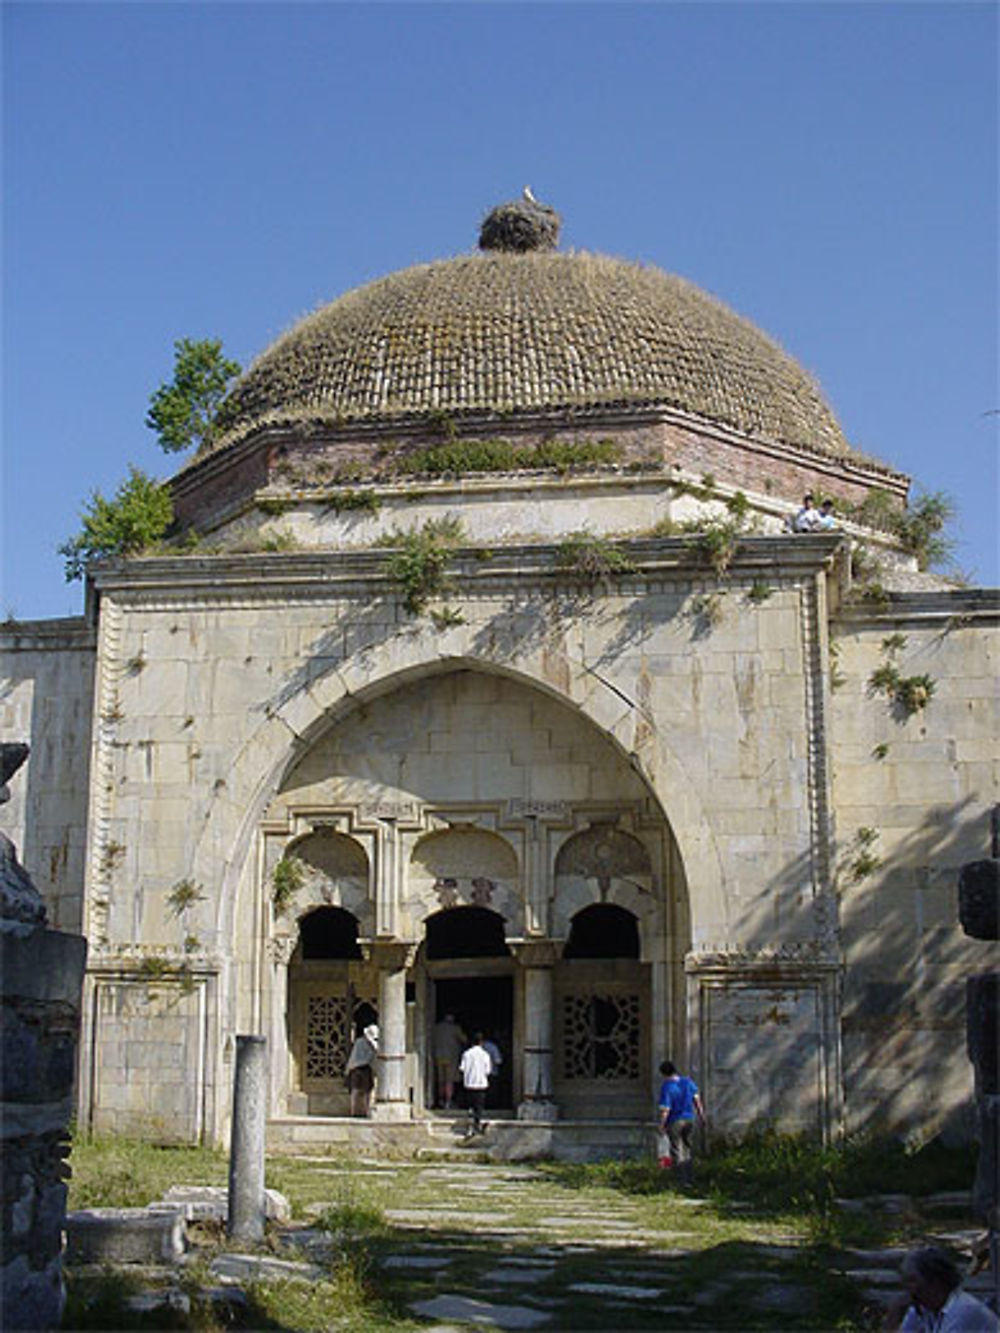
(830, 171)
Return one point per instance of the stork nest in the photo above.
(519, 226)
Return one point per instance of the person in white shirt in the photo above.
(475, 1067)
(936, 1301)
(807, 519)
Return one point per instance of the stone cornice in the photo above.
(951, 608)
(308, 574)
(69, 633)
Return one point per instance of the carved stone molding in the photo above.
(390, 955)
(536, 953)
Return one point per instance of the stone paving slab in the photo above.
(509, 1277)
(480, 1312)
(615, 1289)
(443, 1214)
(406, 1261)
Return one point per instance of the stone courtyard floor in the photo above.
(468, 1244)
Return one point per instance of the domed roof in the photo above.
(502, 331)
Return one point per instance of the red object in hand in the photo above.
(666, 1162)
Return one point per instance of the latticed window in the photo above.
(327, 1036)
(330, 1021)
(600, 1036)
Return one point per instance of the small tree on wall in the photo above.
(186, 411)
(135, 518)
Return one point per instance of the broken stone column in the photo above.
(42, 973)
(979, 912)
(246, 1148)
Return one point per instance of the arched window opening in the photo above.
(603, 931)
(466, 932)
(329, 932)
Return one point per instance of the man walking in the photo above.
(448, 1042)
(475, 1066)
(680, 1102)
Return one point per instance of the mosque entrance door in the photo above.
(483, 1004)
(471, 975)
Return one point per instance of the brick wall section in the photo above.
(209, 490)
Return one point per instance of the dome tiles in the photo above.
(502, 332)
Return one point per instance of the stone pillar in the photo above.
(246, 1151)
(392, 958)
(537, 958)
(979, 912)
(42, 977)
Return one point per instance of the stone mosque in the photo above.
(483, 675)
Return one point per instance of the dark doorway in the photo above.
(483, 1004)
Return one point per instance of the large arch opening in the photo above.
(495, 818)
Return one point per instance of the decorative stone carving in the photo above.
(604, 853)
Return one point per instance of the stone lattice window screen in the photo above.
(328, 1033)
(600, 1036)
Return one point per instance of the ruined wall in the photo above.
(46, 695)
(42, 974)
(913, 788)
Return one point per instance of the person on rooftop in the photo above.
(808, 517)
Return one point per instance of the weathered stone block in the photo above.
(124, 1236)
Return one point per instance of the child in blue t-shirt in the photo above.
(680, 1103)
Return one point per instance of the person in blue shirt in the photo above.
(680, 1103)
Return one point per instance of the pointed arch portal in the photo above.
(547, 923)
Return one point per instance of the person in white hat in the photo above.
(361, 1070)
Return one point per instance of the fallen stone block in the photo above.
(229, 1268)
(203, 1203)
(124, 1236)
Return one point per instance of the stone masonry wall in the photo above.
(248, 661)
(924, 784)
(46, 693)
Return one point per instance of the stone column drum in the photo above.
(391, 1100)
(42, 973)
(537, 958)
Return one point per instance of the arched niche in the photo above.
(602, 865)
(328, 933)
(465, 867)
(312, 716)
(465, 932)
(602, 930)
(336, 874)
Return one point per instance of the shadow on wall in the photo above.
(904, 993)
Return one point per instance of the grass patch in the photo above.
(128, 1173)
(752, 1251)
